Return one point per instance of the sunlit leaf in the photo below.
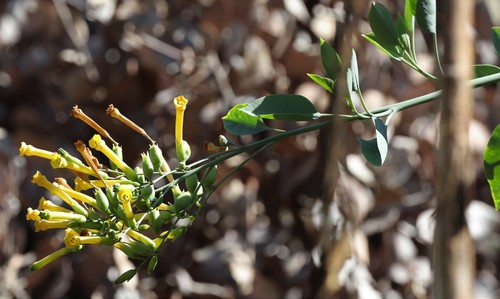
(410, 10)
(330, 60)
(426, 15)
(282, 107)
(491, 162)
(393, 51)
(324, 82)
(238, 122)
(381, 22)
(375, 150)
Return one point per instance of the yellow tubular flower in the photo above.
(29, 150)
(78, 195)
(42, 181)
(81, 185)
(45, 204)
(53, 215)
(53, 256)
(43, 225)
(78, 113)
(72, 238)
(33, 215)
(125, 196)
(97, 143)
(180, 103)
(58, 161)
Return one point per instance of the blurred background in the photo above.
(257, 236)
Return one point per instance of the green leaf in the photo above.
(238, 122)
(324, 82)
(491, 162)
(330, 60)
(381, 22)
(495, 31)
(410, 10)
(393, 51)
(375, 150)
(482, 70)
(126, 276)
(426, 15)
(282, 107)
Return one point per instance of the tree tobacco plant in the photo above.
(137, 210)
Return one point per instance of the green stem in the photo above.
(436, 52)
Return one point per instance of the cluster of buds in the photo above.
(134, 209)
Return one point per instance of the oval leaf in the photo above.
(330, 60)
(238, 122)
(495, 31)
(491, 161)
(482, 70)
(409, 15)
(393, 51)
(426, 15)
(324, 82)
(381, 22)
(375, 150)
(126, 276)
(282, 107)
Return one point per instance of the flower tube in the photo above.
(45, 204)
(53, 256)
(42, 181)
(43, 225)
(181, 147)
(29, 150)
(97, 143)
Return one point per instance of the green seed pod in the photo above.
(192, 182)
(148, 194)
(210, 177)
(102, 201)
(156, 157)
(183, 151)
(147, 166)
(112, 198)
(182, 201)
(139, 178)
(118, 151)
(155, 221)
(126, 276)
(152, 264)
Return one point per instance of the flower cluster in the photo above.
(135, 209)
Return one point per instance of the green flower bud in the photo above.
(147, 166)
(156, 157)
(155, 221)
(118, 151)
(102, 201)
(148, 194)
(112, 198)
(182, 201)
(177, 232)
(210, 177)
(143, 227)
(191, 183)
(183, 151)
(139, 178)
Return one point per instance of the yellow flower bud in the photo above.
(29, 150)
(72, 238)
